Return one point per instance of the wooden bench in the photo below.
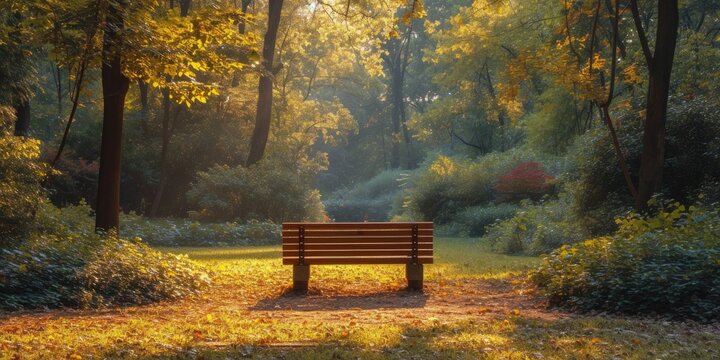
(306, 244)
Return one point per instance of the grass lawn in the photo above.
(475, 306)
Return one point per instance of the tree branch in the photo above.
(453, 133)
(641, 33)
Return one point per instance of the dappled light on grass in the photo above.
(474, 306)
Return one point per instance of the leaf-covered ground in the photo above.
(475, 306)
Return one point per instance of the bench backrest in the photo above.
(357, 243)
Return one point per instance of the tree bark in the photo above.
(397, 103)
(163, 153)
(264, 104)
(660, 69)
(114, 87)
(398, 60)
(22, 118)
(144, 106)
(243, 7)
(185, 7)
(241, 29)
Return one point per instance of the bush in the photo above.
(186, 232)
(371, 200)
(445, 186)
(692, 158)
(21, 175)
(63, 263)
(536, 228)
(267, 190)
(129, 272)
(666, 264)
(527, 180)
(474, 220)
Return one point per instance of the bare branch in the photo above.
(641, 33)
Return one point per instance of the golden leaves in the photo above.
(630, 74)
(173, 52)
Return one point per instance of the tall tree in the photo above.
(265, 95)
(114, 87)
(166, 131)
(659, 65)
(397, 60)
(22, 114)
(17, 72)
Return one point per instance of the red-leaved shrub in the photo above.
(528, 180)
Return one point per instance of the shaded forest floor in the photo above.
(475, 305)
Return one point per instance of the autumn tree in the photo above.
(115, 86)
(659, 64)
(17, 71)
(397, 57)
(185, 51)
(265, 93)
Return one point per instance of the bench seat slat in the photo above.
(359, 260)
(350, 246)
(356, 253)
(358, 225)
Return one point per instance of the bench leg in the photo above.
(301, 277)
(414, 275)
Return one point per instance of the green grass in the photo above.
(473, 307)
(454, 258)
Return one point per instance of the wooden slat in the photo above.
(356, 253)
(357, 232)
(358, 261)
(358, 225)
(355, 239)
(348, 246)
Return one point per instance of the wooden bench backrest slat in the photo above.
(355, 240)
(357, 225)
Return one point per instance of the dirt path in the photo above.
(364, 302)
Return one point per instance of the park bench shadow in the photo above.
(313, 301)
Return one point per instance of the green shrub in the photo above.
(474, 220)
(445, 186)
(77, 220)
(186, 232)
(21, 175)
(64, 263)
(536, 228)
(692, 158)
(130, 272)
(371, 200)
(267, 190)
(666, 264)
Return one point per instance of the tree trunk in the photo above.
(22, 118)
(114, 86)
(397, 103)
(660, 68)
(144, 106)
(163, 153)
(185, 7)
(241, 29)
(264, 104)
(243, 6)
(166, 133)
